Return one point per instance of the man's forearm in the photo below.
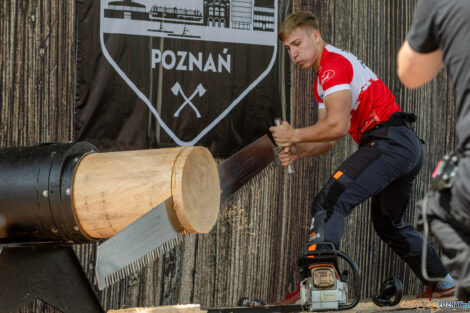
(306, 149)
(322, 132)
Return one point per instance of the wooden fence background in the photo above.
(253, 248)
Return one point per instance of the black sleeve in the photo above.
(421, 36)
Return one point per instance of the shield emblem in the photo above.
(197, 59)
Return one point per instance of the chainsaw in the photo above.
(323, 287)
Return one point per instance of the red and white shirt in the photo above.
(371, 100)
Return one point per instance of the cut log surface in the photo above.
(183, 308)
(111, 190)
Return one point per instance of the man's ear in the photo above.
(316, 36)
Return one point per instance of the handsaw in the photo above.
(136, 245)
(141, 242)
(238, 169)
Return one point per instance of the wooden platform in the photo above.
(182, 308)
(407, 305)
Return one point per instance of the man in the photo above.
(352, 98)
(441, 31)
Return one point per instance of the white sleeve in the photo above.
(336, 88)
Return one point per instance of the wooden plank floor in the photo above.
(406, 305)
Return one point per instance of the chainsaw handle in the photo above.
(357, 282)
(357, 279)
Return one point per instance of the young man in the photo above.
(352, 98)
(441, 31)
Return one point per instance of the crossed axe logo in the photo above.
(176, 89)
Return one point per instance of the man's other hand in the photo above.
(288, 155)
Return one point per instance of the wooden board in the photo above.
(182, 308)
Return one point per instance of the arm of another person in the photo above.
(416, 69)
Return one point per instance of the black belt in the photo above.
(399, 119)
(396, 119)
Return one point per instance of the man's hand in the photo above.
(283, 135)
(288, 155)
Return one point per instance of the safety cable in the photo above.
(424, 248)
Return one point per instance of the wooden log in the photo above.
(181, 308)
(112, 190)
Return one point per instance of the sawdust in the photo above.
(244, 220)
(238, 217)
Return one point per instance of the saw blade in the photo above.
(137, 245)
(153, 234)
(239, 168)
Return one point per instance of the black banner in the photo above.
(159, 73)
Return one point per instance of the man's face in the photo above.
(304, 46)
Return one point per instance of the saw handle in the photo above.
(290, 167)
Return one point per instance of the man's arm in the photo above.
(333, 126)
(333, 123)
(305, 149)
(415, 68)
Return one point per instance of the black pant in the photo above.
(384, 168)
(448, 214)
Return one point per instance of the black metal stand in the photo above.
(51, 274)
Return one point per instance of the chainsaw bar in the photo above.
(259, 309)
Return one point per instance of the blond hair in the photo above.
(294, 20)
